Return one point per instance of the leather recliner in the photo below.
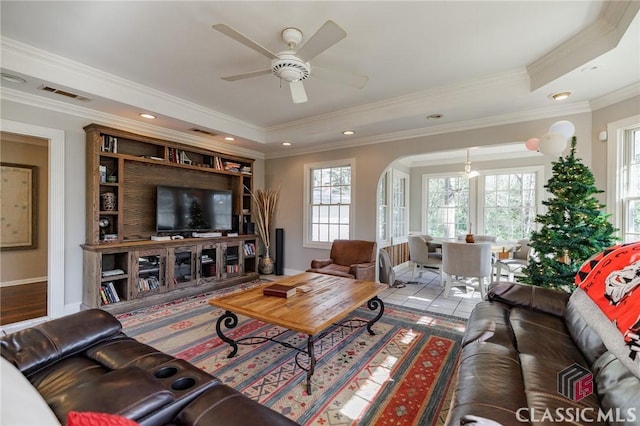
(84, 363)
(350, 259)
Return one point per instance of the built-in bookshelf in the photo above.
(124, 276)
(123, 268)
(124, 169)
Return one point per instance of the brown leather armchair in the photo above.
(350, 259)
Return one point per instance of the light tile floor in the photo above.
(426, 293)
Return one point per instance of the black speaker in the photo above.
(251, 228)
(279, 251)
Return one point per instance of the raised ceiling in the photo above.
(477, 63)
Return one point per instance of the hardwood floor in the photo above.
(23, 302)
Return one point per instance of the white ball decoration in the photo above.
(552, 144)
(564, 127)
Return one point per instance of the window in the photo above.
(328, 208)
(446, 205)
(624, 177)
(509, 205)
(506, 204)
(383, 209)
(399, 207)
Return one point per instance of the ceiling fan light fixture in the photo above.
(289, 68)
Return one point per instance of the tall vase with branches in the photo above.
(265, 202)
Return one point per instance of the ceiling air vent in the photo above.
(204, 132)
(64, 93)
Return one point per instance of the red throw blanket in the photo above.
(612, 280)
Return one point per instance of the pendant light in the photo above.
(468, 173)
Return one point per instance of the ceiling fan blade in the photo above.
(241, 38)
(328, 35)
(247, 75)
(298, 93)
(341, 77)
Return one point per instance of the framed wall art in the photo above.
(18, 206)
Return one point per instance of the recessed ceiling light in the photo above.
(148, 116)
(434, 116)
(559, 96)
(349, 132)
(12, 78)
(229, 138)
(286, 143)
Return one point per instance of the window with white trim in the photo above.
(509, 205)
(383, 209)
(500, 202)
(328, 209)
(624, 177)
(446, 205)
(400, 205)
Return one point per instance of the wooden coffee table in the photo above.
(327, 300)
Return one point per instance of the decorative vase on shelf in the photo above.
(266, 263)
(108, 200)
(469, 238)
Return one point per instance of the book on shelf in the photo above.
(103, 173)
(148, 283)
(109, 144)
(232, 166)
(279, 290)
(113, 291)
(249, 249)
(103, 296)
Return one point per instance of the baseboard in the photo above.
(23, 281)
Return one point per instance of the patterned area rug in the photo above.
(399, 376)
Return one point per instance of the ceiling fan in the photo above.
(293, 65)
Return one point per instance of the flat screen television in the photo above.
(193, 209)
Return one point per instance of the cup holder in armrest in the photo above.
(165, 372)
(183, 383)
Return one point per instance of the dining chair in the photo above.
(513, 267)
(423, 255)
(386, 273)
(466, 260)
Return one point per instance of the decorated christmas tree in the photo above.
(573, 229)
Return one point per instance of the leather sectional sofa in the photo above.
(537, 356)
(84, 363)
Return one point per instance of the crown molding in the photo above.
(596, 39)
(111, 120)
(619, 95)
(499, 120)
(23, 58)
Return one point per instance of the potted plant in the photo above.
(266, 202)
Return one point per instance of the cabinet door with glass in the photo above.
(182, 271)
(148, 272)
(208, 268)
(231, 260)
